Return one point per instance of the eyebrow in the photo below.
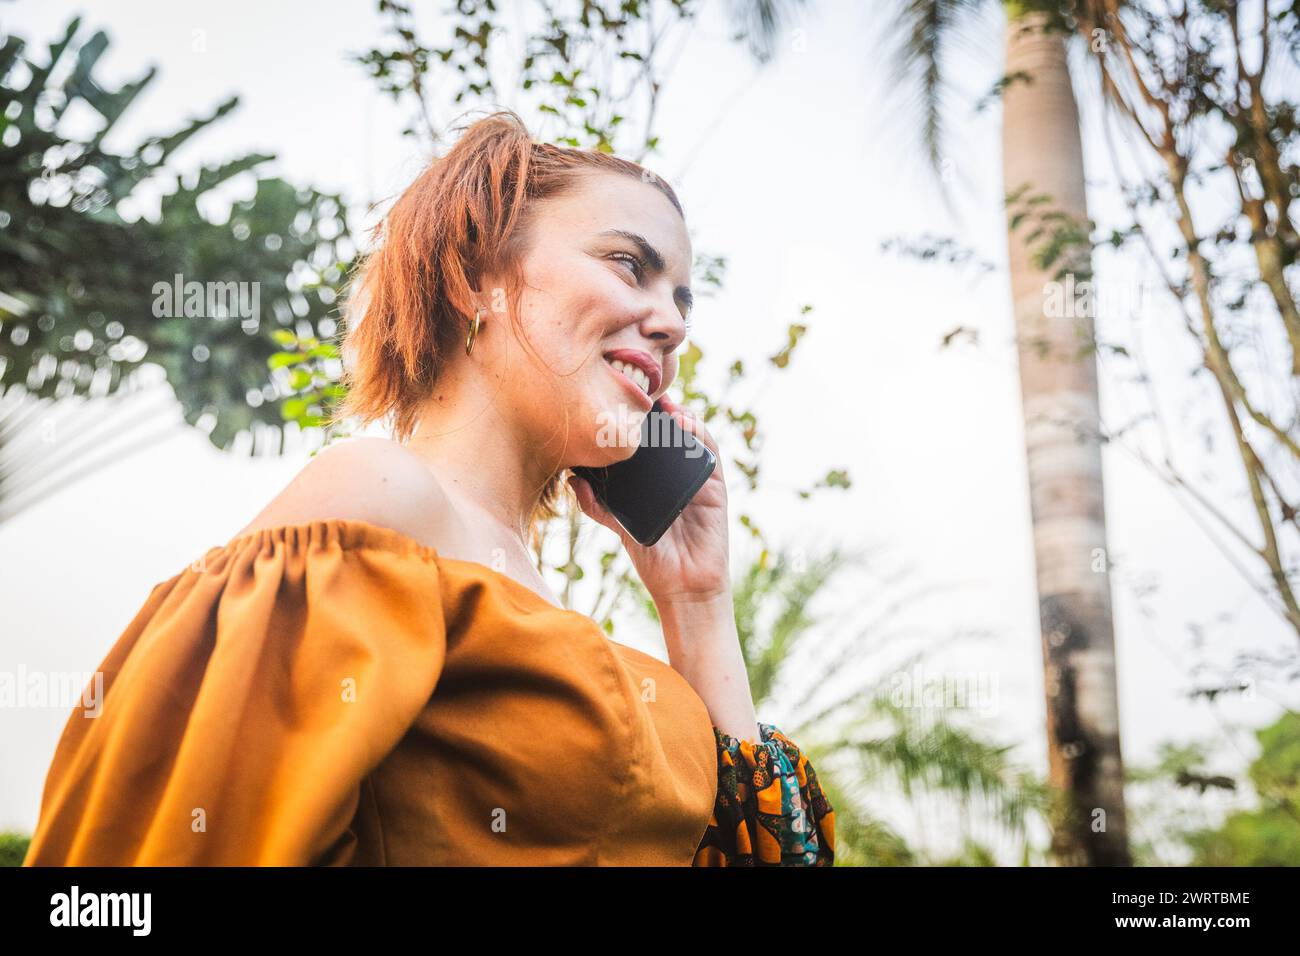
(681, 293)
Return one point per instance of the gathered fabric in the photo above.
(335, 693)
(770, 809)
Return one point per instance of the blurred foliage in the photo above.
(865, 740)
(1260, 825)
(313, 385)
(13, 848)
(78, 303)
(1270, 834)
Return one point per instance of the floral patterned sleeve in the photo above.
(770, 810)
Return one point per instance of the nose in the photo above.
(664, 324)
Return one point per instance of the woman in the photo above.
(373, 671)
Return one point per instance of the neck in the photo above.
(480, 451)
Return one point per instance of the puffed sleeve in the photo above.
(245, 704)
(770, 809)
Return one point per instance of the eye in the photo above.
(688, 325)
(638, 267)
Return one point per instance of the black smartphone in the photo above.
(648, 491)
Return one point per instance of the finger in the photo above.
(689, 422)
(591, 505)
(586, 499)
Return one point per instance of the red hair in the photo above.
(467, 214)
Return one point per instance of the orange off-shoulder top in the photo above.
(336, 693)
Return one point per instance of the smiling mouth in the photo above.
(632, 373)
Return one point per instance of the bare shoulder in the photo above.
(364, 479)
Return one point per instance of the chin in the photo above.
(615, 433)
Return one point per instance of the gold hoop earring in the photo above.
(473, 331)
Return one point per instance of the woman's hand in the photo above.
(689, 563)
(686, 572)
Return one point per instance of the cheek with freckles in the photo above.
(570, 353)
(569, 324)
(670, 373)
(559, 338)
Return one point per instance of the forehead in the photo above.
(612, 201)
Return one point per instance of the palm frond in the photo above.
(48, 444)
(759, 22)
(922, 32)
(923, 752)
(862, 743)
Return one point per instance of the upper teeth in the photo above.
(634, 373)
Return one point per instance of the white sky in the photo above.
(796, 174)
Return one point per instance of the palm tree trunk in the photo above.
(1058, 381)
